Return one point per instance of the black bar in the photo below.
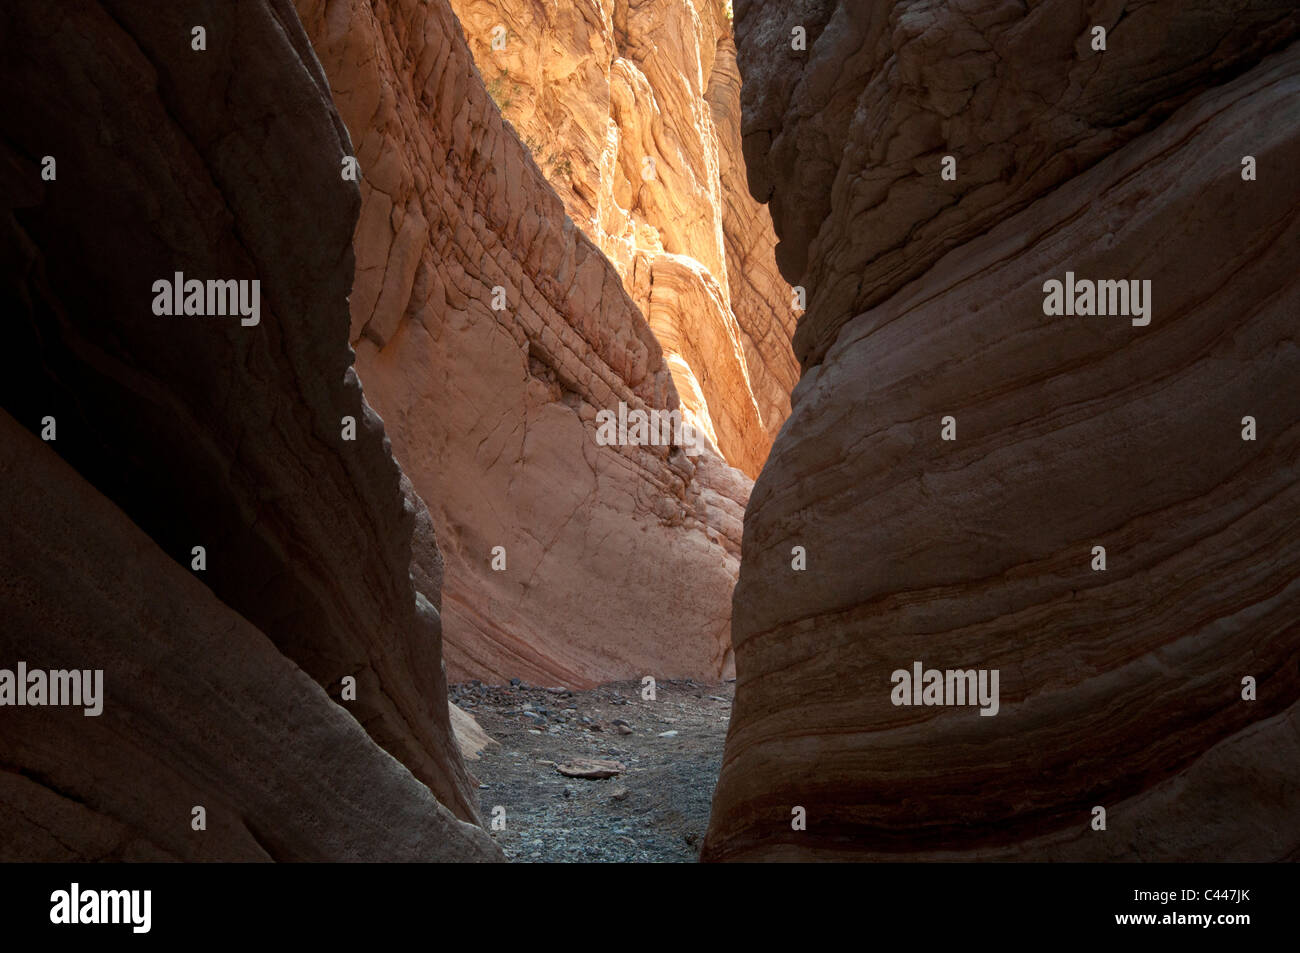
(575, 904)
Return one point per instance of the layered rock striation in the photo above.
(1164, 687)
(631, 109)
(846, 138)
(490, 331)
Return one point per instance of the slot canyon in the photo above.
(945, 572)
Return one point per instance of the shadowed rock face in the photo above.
(221, 164)
(1119, 688)
(619, 560)
(200, 708)
(845, 139)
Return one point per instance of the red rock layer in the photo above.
(762, 300)
(1120, 688)
(619, 560)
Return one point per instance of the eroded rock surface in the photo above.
(846, 138)
(632, 110)
(618, 560)
(218, 164)
(199, 709)
(1120, 688)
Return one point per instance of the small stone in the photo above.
(514, 683)
(668, 734)
(618, 794)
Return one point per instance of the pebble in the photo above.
(668, 734)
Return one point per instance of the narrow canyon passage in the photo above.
(495, 321)
(586, 243)
(476, 411)
(643, 430)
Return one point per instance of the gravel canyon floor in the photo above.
(655, 810)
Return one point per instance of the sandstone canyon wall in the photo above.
(490, 330)
(222, 681)
(1120, 688)
(632, 110)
